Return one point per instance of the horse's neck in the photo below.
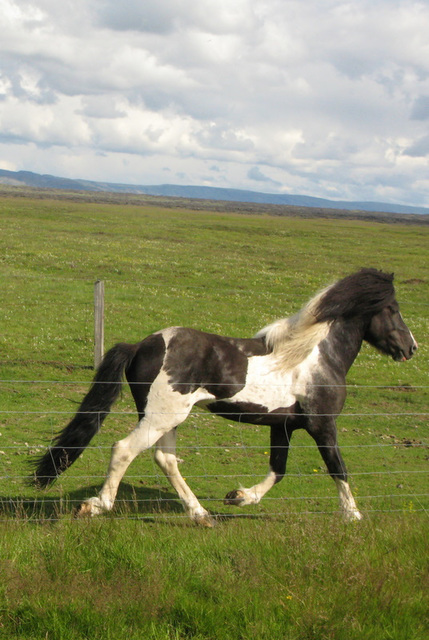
(345, 339)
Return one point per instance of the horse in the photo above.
(291, 375)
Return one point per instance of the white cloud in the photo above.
(324, 98)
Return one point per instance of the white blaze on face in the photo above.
(415, 345)
(413, 340)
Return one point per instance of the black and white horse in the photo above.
(291, 375)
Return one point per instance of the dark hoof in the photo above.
(235, 497)
(82, 511)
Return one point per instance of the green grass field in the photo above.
(287, 568)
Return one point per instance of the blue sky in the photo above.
(324, 97)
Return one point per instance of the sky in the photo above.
(325, 98)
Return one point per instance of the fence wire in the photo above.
(383, 477)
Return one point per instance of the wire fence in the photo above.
(387, 452)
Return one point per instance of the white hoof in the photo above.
(201, 517)
(352, 516)
(204, 520)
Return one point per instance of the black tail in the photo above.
(72, 440)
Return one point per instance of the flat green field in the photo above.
(287, 568)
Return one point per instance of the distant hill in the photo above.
(27, 178)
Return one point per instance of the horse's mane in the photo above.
(364, 293)
(361, 294)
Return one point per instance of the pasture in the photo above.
(286, 568)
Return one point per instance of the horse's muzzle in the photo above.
(406, 354)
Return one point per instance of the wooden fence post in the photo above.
(98, 322)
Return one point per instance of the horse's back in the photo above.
(217, 363)
(192, 359)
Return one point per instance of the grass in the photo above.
(288, 568)
(247, 580)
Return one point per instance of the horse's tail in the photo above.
(72, 440)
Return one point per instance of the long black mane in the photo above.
(364, 293)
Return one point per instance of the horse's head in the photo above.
(388, 333)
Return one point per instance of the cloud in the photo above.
(311, 97)
(420, 110)
(256, 174)
(419, 149)
(163, 17)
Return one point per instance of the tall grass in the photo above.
(288, 568)
(302, 578)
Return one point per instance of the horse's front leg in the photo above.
(165, 457)
(347, 501)
(325, 435)
(279, 449)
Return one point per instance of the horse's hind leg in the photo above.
(123, 453)
(165, 409)
(165, 457)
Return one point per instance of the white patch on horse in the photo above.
(166, 407)
(278, 389)
(167, 334)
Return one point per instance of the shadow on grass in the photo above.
(145, 503)
(131, 501)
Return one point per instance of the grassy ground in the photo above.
(287, 568)
(306, 578)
